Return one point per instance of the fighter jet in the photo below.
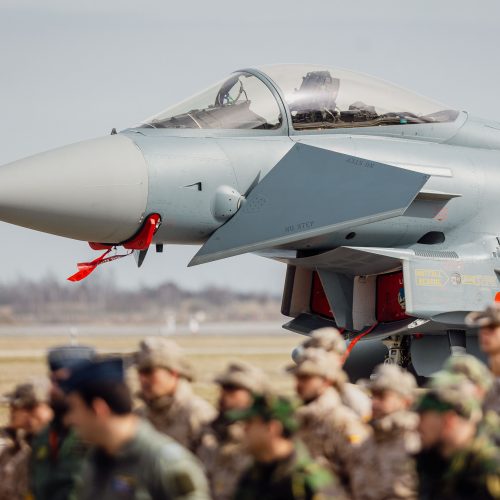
(382, 203)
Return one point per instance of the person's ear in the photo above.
(101, 408)
(276, 428)
(175, 376)
(448, 419)
(408, 402)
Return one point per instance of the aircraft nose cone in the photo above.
(92, 191)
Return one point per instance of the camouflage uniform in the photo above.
(223, 456)
(295, 477)
(470, 472)
(355, 398)
(57, 453)
(151, 466)
(15, 449)
(331, 340)
(222, 450)
(56, 463)
(183, 415)
(490, 316)
(14, 459)
(492, 399)
(385, 467)
(330, 430)
(479, 374)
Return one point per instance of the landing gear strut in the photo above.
(399, 350)
(457, 341)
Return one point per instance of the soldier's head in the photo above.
(329, 339)
(29, 407)
(238, 383)
(98, 399)
(316, 370)
(392, 389)
(488, 322)
(474, 370)
(161, 364)
(20, 402)
(449, 412)
(270, 425)
(61, 361)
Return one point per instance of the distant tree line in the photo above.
(99, 298)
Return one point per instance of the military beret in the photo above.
(389, 377)
(488, 317)
(269, 407)
(243, 375)
(69, 356)
(451, 392)
(318, 362)
(94, 372)
(157, 352)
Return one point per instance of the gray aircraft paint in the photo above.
(404, 182)
(92, 191)
(309, 193)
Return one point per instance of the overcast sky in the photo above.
(71, 70)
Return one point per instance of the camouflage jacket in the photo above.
(490, 426)
(223, 456)
(357, 400)
(331, 432)
(14, 460)
(385, 467)
(56, 462)
(492, 399)
(471, 473)
(181, 416)
(297, 477)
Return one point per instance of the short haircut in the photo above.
(116, 395)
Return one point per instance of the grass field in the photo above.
(23, 357)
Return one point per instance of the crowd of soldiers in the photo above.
(84, 437)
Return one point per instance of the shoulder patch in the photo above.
(123, 484)
(316, 477)
(493, 485)
(354, 438)
(42, 453)
(183, 484)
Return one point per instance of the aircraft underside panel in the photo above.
(412, 307)
(446, 289)
(312, 192)
(440, 287)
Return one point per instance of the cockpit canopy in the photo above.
(242, 101)
(317, 98)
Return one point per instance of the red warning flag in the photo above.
(140, 241)
(85, 268)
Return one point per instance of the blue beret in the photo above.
(96, 371)
(69, 356)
